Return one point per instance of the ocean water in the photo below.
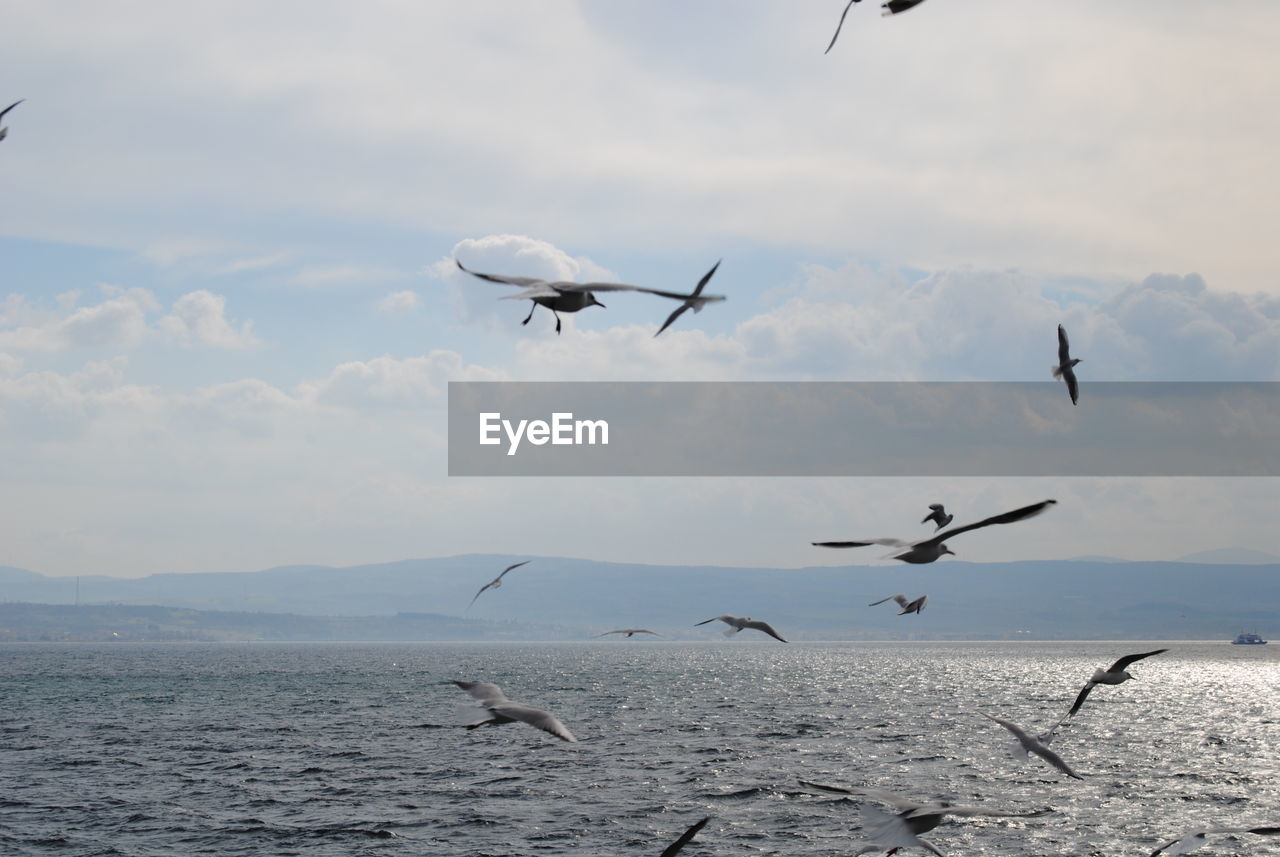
(356, 749)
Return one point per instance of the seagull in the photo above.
(838, 26)
(901, 830)
(1192, 841)
(497, 581)
(907, 606)
(939, 515)
(685, 838)
(1066, 365)
(4, 132)
(932, 549)
(562, 296)
(737, 623)
(1028, 744)
(502, 710)
(893, 7)
(689, 304)
(1114, 674)
(629, 632)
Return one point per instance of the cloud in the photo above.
(388, 382)
(199, 318)
(400, 303)
(118, 322)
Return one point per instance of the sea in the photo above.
(360, 748)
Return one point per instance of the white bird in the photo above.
(737, 623)
(696, 307)
(562, 296)
(1114, 674)
(674, 848)
(1029, 744)
(907, 606)
(1066, 365)
(497, 581)
(901, 830)
(929, 550)
(502, 710)
(1192, 841)
(939, 515)
(630, 632)
(4, 132)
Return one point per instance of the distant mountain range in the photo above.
(562, 598)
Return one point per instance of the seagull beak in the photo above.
(949, 550)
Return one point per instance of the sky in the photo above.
(229, 310)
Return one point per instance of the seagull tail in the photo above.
(731, 631)
(1056, 370)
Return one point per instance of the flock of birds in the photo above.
(884, 831)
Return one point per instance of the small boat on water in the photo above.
(1248, 639)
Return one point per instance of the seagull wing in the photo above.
(764, 626)
(10, 107)
(901, 599)
(482, 589)
(1084, 694)
(516, 565)
(679, 311)
(1128, 659)
(685, 838)
(1192, 840)
(1034, 746)
(890, 831)
(544, 720)
(1064, 347)
(839, 26)
(898, 802)
(725, 618)
(896, 543)
(1006, 518)
(694, 301)
(502, 278)
(1073, 386)
(490, 694)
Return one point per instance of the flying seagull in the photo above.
(930, 550)
(562, 296)
(737, 623)
(907, 606)
(901, 830)
(685, 838)
(500, 710)
(497, 581)
(1115, 674)
(1028, 744)
(629, 632)
(1066, 365)
(689, 304)
(4, 132)
(1192, 841)
(938, 515)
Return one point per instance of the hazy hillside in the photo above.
(1058, 599)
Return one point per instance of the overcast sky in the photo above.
(229, 311)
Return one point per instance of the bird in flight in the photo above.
(929, 550)
(501, 710)
(892, 7)
(938, 515)
(562, 296)
(497, 581)
(1191, 841)
(696, 307)
(1028, 744)
(907, 606)
(737, 623)
(4, 132)
(902, 830)
(1117, 673)
(1066, 365)
(628, 632)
